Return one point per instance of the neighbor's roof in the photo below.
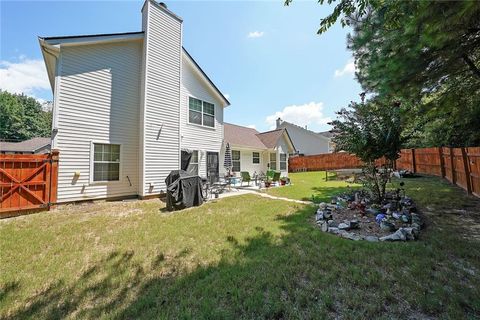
(242, 136)
(30, 145)
(251, 138)
(327, 134)
(270, 138)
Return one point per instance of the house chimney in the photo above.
(279, 122)
(163, 4)
(306, 128)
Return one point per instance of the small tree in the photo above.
(371, 130)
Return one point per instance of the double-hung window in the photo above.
(193, 166)
(236, 161)
(283, 161)
(201, 112)
(256, 157)
(273, 161)
(106, 162)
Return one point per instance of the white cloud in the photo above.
(227, 96)
(25, 76)
(255, 34)
(252, 126)
(309, 114)
(348, 69)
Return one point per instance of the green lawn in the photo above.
(241, 257)
(312, 186)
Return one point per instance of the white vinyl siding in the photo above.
(195, 137)
(98, 100)
(161, 110)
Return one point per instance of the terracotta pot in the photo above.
(283, 182)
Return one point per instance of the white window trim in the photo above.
(92, 151)
(196, 124)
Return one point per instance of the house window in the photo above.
(283, 161)
(235, 161)
(273, 161)
(106, 162)
(193, 166)
(256, 157)
(201, 112)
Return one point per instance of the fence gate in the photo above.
(27, 181)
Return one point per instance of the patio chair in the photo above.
(276, 176)
(245, 177)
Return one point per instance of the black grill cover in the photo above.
(183, 190)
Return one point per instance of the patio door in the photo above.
(212, 166)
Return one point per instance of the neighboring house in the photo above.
(329, 135)
(253, 151)
(31, 146)
(306, 141)
(126, 104)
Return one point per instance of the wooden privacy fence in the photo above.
(27, 181)
(460, 166)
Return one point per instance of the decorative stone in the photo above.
(405, 218)
(396, 215)
(371, 238)
(324, 227)
(399, 235)
(333, 230)
(351, 236)
(379, 218)
(343, 226)
(327, 215)
(411, 233)
(319, 216)
(386, 225)
(322, 206)
(332, 223)
(354, 224)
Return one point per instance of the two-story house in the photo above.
(126, 104)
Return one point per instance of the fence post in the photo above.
(414, 164)
(442, 162)
(54, 155)
(467, 171)
(452, 166)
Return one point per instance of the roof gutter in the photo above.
(50, 54)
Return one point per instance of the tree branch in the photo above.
(471, 65)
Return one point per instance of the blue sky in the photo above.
(266, 57)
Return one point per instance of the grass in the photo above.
(312, 186)
(241, 257)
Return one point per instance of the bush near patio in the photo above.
(240, 257)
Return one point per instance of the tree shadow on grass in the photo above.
(302, 274)
(325, 194)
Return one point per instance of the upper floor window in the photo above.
(201, 112)
(106, 162)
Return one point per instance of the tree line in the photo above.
(22, 117)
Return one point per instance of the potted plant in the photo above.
(283, 181)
